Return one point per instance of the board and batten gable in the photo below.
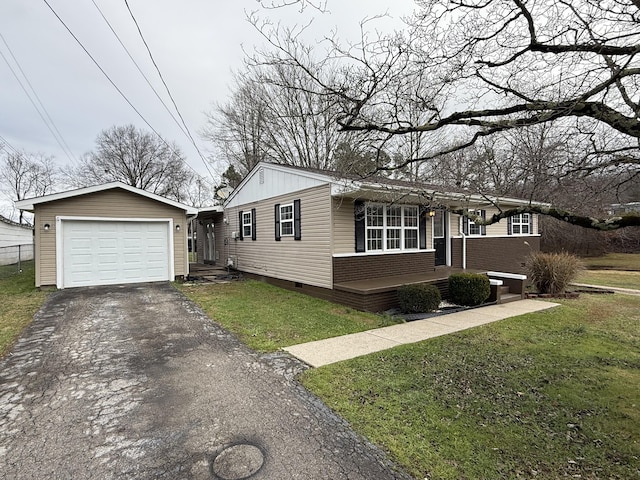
(114, 203)
(307, 260)
(269, 181)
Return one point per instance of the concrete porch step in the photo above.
(510, 297)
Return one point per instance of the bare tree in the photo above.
(273, 116)
(475, 69)
(136, 158)
(25, 175)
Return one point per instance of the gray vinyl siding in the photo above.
(114, 203)
(307, 260)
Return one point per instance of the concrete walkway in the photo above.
(332, 350)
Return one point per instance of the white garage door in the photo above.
(113, 252)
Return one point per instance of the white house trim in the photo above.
(29, 204)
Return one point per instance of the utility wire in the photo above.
(139, 69)
(109, 78)
(11, 147)
(47, 121)
(193, 142)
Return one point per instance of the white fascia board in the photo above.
(215, 209)
(29, 204)
(346, 188)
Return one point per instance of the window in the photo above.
(246, 224)
(520, 224)
(286, 220)
(410, 228)
(391, 227)
(471, 228)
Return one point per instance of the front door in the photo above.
(440, 236)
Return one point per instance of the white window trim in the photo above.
(386, 227)
(282, 222)
(520, 223)
(471, 223)
(245, 224)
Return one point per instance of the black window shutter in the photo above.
(509, 227)
(531, 224)
(241, 229)
(359, 217)
(277, 213)
(253, 224)
(483, 228)
(465, 225)
(422, 227)
(297, 234)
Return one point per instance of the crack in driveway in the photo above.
(136, 382)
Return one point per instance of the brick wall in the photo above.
(502, 254)
(365, 267)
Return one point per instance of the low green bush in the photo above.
(419, 298)
(469, 289)
(552, 272)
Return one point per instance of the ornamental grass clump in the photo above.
(419, 298)
(469, 289)
(552, 273)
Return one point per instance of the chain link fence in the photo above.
(14, 258)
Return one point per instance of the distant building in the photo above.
(622, 208)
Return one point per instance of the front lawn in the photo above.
(554, 394)
(268, 318)
(614, 261)
(19, 301)
(610, 278)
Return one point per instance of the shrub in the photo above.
(469, 289)
(552, 272)
(419, 298)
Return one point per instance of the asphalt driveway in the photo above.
(136, 382)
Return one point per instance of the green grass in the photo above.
(555, 394)
(268, 318)
(19, 301)
(614, 261)
(610, 278)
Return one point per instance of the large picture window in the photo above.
(391, 227)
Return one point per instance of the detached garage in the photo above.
(108, 234)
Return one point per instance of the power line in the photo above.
(109, 78)
(138, 67)
(11, 147)
(51, 125)
(193, 142)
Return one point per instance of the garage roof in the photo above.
(29, 203)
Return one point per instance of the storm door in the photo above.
(209, 243)
(440, 236)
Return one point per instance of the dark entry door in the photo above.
(440, 237)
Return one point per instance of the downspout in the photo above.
(192, 225)
(464, 244)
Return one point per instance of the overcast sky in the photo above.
(196, 44)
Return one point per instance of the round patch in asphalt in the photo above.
(237, 462)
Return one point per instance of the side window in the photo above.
(246, 224)
(287, 221)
